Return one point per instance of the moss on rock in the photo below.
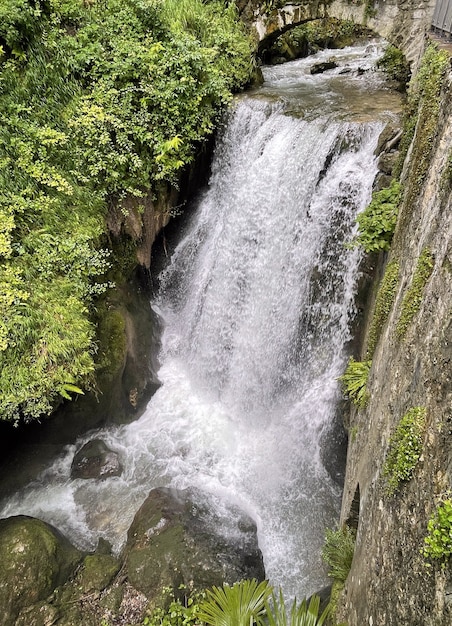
(34, 559)
(383, 304)
(174, 539)
(413, 298)
(98, 571)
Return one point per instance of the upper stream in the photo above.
(256, 302)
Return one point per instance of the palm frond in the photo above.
(243, 604)
(303, 614)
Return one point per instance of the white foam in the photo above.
(256, 305)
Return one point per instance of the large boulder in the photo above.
(95, 460)
(189, 538)
(34, 559)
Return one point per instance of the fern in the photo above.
(354, 381)
(338, 552)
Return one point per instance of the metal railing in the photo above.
(442, 18)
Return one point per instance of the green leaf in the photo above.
(243, 604)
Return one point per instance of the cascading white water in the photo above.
(256, 305)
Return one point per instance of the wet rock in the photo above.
(389, 138)
(319, 68)
(387, 161)
(188, 537)
(95, 460)
(325, 596)
(34, 558)
(382, 181)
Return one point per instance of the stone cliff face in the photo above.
(391, 582)
(403, 23)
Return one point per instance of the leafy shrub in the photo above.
(438, 542)
(338, 551)
(412, 299)
(370, 10)
(377, 222)
(246, 603)
(98, 100)
(383, 304)
(17, 23)
(395, 65)
(405, 449)
(176, 613)
(354, 381)
(323, 33)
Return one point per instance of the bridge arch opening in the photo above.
(298, 40)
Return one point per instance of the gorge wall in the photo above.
(391, 581)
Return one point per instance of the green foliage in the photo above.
(383, 304)
(98, 100)
(17, 23)
(52, 347)
(336, 591)
(246, 603)
(412, 299)
(369, 9)
(156, 91)
(113, 342)
(438, 542)
(314, 35)
(270, 5)
(327, 32)
(243, 604)
(395, 65)
(405, 448)
(353, 433)
(176, 612)
(338, 551)
(377, 222)
(421, 119)
(301, 614)
(354, 381)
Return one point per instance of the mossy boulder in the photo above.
(39, 614)
(82, 599)
(182, 538)
(35, 558)
(98, 572)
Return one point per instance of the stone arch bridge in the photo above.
(404, 23)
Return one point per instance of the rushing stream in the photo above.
(256, 303)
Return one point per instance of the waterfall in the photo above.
(256, 304)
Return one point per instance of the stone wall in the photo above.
(402, 22)
(391, 582)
